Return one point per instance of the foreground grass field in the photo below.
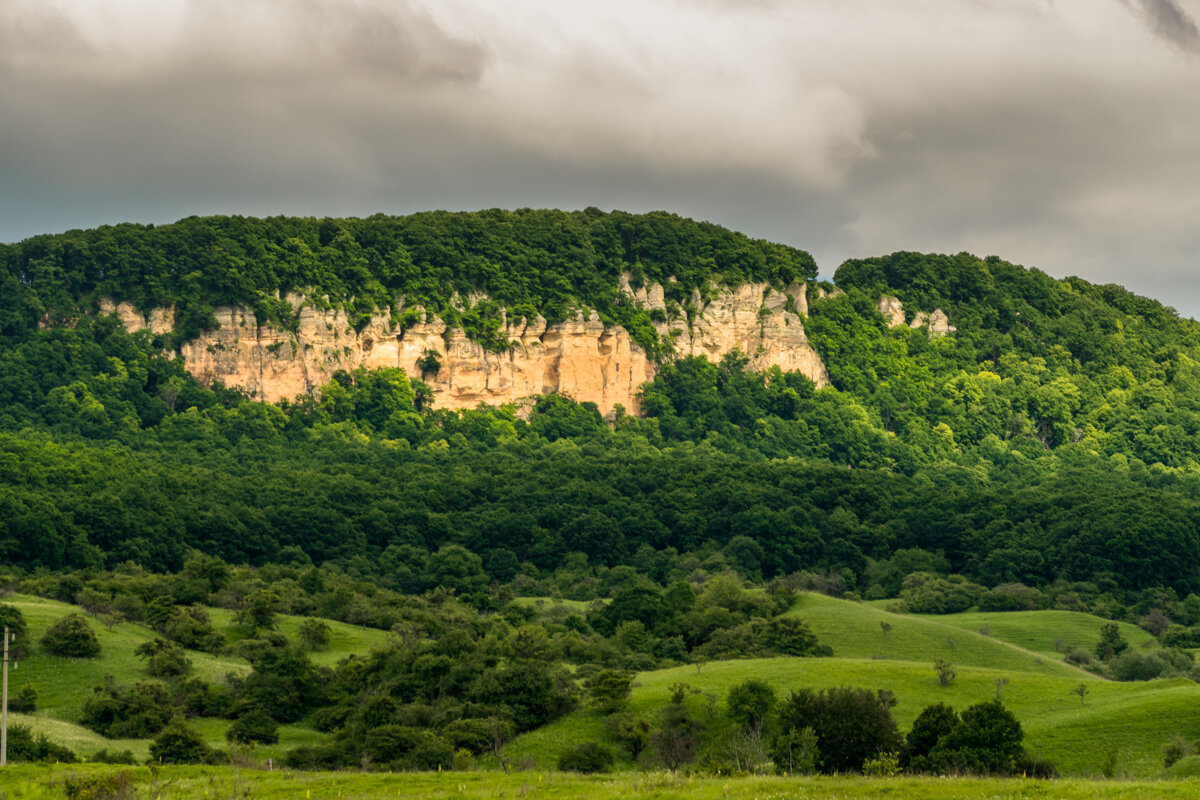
(186, 783)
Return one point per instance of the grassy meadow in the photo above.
(25, 782)
(1117, 729)
(64, 684)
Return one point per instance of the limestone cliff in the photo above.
(581, 356)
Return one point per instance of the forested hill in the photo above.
(527, 261)
(1053, 439)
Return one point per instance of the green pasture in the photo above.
(1051, 633)
(64, 684)
(1118, 728)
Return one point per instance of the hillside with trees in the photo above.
(1044, 456)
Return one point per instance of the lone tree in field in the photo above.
(945, 671)
(1082, 691)
(71, 637)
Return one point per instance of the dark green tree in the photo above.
(987, 740)
(71, 637)
(180, 744)
(253, 727)
(314, 634)
(852, 725)
(750, 703)
(609, 690)
(1111, 643)
(586, 757)
(933, 723)
(164, 659)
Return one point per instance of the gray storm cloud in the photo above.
(1061, 134)
(1171, 21)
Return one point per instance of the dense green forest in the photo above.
(1053, 441)
(529, 262)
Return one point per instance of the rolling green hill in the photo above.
(1127, 723)
(64, 684)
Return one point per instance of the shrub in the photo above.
(986, 740)
(945, 671)
(1011, 597)
(795, 752)
(405, 747)
(118, 712)
(884, 766)
(791, 636)
(851, 725)
(104, 786)
(1175, 749)
(179, 744)
(192, 628)
(1111, 643)
(12, 617)
(586, 757)
(24, 746)
(750, 702)
(633, 732)
(253, 727)
(71, 637)
(314, 634)
(933, 723)
(107, 756)
(24, 701)
(164, 659)
(1079, 657)
(609, 690)
(1134, 666)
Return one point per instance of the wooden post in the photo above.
(4, 707)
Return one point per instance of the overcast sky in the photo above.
(1061, 134)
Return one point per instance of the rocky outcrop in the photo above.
(581, 356)
(891, 309)
(936, 322)
(160, 320)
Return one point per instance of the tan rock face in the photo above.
(892, 310)
(580, 357)
(160, 320)
(937, 323)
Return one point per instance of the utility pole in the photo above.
(4, 707)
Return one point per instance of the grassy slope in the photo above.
(64, 684)
(1128, 722)
(1052, 633)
